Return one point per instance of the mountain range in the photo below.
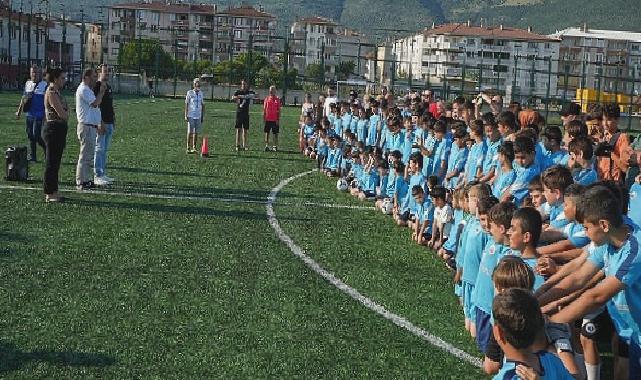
(382, 18)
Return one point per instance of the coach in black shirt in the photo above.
(243, 98)
(103, 141)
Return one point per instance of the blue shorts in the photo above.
(193, 125)
(468, 306)
(483, 329)
(634, 358)
(458, 290)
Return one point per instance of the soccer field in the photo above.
(176, 271)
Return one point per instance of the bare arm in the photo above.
(575, 281)
(57, 106)
(101, 93)
(590, 300)
(565, 271)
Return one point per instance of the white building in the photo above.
(605, 60)
(518, 62)
(22, 38)
(317, 40)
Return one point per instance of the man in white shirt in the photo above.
(331, 98)
(89, 125)
(194, 111)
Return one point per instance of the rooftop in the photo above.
(246, 11)
(167, 8)
(497, 32)
(599, 34)
(316, 20)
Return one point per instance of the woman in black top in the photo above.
(54, 132)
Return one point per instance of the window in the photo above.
(531, 45)
(141, 14)
(154, 28)
(12, 31)
(547, 45)
(1, 29)
(487, 41)
(471, 42)
(634, 47)
(500, 42)
(238, 21)
(25, 34)
(238, 34)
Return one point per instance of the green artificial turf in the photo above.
(117, 286)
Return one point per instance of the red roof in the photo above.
(498, 32)
(315, 20)
(246, 11)
(171, 8)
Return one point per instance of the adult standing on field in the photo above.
(32, 104)
(89, 126)
(103, 141)
(330, 99)
(243, 98)
(194, 111)
(54, 132)
(271, 115)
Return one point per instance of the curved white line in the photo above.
(353, 293)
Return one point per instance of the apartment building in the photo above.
(22, 37)
(191, 31)
(604, 60)
(316, 40)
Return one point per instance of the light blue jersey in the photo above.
(456, 161)
(390, 188)
(338, 126)
(308, 131)
(491, 159)
(361, 130)
(473, 247)
(460, 255)
(585, 177)
(540, 157)
(331, 117)
(634, 205)
(483, 294)
(519, 189)
(428, 161)
(401, 190)
(556, 158)
(441, 153)
(531, 262)
(425, 212)
(395, 141)
(321, 147)
(455, 233)
(408, 141)
(575, 233)
(372, 132)
(357, 172)
(369, 180)
(334, 157)
(415, 180)
(502, 182)
(558, 221)
(475, 160)
(625, 265)
(552, 369)
(381, 189)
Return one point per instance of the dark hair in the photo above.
(459, 100)
(440, 126)
(518, 315)
(399, 167)
(600, 203)
(529, 133)
(535, 184)
(501, 214)
(438, 192)
(524, 145)
(417, 189)
(383, 164)
(507, 118)
(460, 132)
(557, 177)
(88, 72)
(486, 204)
(488, 118)
(553, 133)
(577, 128)
(396, 154)
(432, 180)
(53, 74)
(507, 149)
(575, 190)
(582, 145)
(611, 110)
(531, 222)
(418, 158)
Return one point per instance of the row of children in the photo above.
(487, 194)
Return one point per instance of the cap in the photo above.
(570, 109)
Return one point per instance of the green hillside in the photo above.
(383, 17)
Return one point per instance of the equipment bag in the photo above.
(17, 165)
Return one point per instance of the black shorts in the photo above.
(242, 121)
(271, 126)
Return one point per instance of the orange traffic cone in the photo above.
(204, 150)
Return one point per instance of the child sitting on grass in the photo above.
(421, 217)
(443, 217)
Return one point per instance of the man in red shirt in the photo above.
(271, 114)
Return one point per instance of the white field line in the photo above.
(353, 293)
(238, 199)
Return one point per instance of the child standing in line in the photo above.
(505, 174)
(457, 158)
(362, 125)
(555, 180)
(525, 169)
(524, 234)
(408, 140)
(374, 126)
(448, 250)
(474, 164)
(491, 165)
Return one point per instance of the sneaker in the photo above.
(267, 149)
(101, 181)
(109, 179)
(86, 186)
(275, 148)
(246, 148)
(237, 148)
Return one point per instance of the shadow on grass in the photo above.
(256, 157)
(12, 358)
(8, 237)
(161, 172)
(182, 210)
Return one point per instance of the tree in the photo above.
(146, 55)
(345, 69)
(315, 72)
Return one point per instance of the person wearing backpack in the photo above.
(32, 104)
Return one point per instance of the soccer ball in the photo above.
(341, 184)
(387, 207)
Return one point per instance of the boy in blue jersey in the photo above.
(346, 117)
(408, 140)
(525, 169)
(362, 126)
(383, 175)
(555, 155)
(374, 126)
(356, 175)
(457, 158)
(617, 258)
(506, 122)
(555, 180)
(517, 324)
(581, 153)
(441, 151)
(634, 205)
(369, 179)
(334, 156)
(474, 164)
(332, 114)
(416, 178)
(308, 135)
(566, 244)
(500, 219)
(448, 250)
(322, 146)
(491, 165)
(400, 187)
(337, 124)
(472, 245)
(422, 216)
(524, 234)
(505, 174)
